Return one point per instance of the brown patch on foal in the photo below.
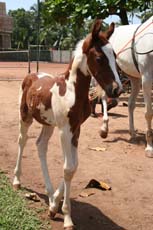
(39, 92)
(60, 81)
(81, 109)
(36, 91)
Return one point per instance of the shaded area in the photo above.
(84, 215)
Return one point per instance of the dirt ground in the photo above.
(121, 163)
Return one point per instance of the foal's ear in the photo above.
(110, 30)
(96, 29)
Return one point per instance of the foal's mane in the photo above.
(78, 54)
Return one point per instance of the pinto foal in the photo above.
(63, 102)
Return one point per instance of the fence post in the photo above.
(29, 58)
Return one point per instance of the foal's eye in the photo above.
(98, 59)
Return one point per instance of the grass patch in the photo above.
(14, 213)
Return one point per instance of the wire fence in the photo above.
(17, 56)
(50, 55)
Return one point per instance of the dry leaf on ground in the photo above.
(98, 149)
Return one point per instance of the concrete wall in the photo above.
(6, 26)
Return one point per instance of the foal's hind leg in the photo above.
(42, 145)
(23, 129)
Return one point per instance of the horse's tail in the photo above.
(26, 84)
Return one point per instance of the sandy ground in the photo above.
(121, 163)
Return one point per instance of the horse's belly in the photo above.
(126, 64)
(121, 41)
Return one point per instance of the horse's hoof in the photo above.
(70, 228)
(93, 115)
(103, 133)
(133, 134)
(51, 214)
(16, 187)
(132, 140)
(149, 154)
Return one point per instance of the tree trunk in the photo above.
(123, 16)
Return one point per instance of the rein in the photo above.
(90, 73)
(94, 91)
(133, 47)
(142, 53)
(123, 48)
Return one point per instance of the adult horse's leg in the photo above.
(147, 89)
(42, 145)
(135, 88)
(93, 107)
(104, 127)
(23, 129)
(69, 147)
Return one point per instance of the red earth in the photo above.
(121, 163)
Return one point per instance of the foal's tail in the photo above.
(26, 84)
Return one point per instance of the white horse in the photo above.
(133, 45)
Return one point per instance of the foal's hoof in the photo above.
(149, 154)
(51, 214)
(70, 228)
(16, 187)
(103, 133)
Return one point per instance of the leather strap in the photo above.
(133, 49)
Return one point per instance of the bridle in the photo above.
(89, 72)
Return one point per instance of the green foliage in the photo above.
(63, 22)
(14, 214)
(76, 11)
(146, 15)
(24, 28)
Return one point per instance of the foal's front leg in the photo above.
(104, 127)
(70, 166)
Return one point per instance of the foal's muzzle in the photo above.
(114, 90)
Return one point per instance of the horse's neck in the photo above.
(79, 79)
(81, 108)
(77, 74)
(78, 62)
(82, 83)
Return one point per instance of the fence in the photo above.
(57, 56)
(61, 56)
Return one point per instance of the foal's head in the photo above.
(101, 63)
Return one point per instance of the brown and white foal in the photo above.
(63, 102)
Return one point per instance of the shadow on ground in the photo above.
(85, 215)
